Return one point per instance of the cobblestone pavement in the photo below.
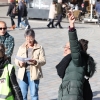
(53, 41)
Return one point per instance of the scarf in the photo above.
(90, 65)
(61, 67)
(3, 62)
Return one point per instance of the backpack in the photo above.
(15, 10)
(87, 91)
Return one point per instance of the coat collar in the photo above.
(36, 45)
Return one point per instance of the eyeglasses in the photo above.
(66, 47)
(3, 28)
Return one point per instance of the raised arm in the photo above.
(73, 39)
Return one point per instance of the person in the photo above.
(77, 67)
(52, 13)
(7, 40)
(82, 11)
(24, 17)
(9, 88)
(30, 71)
(20, 12)
(59, 10)
(12, 16)
(97, 9)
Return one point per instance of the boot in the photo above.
(60, 26)
(11, 28)
(14, 26)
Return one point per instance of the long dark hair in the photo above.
(84, 44)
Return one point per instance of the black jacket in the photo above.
(14, 84)
(11, 6)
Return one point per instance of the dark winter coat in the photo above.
(25, 11)
(21, 9)
(11, 6)
(72, 83)
(59, 8)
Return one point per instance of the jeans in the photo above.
(34, 86)
(19, 20)
(25, 21)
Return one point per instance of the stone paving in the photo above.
(53, 41)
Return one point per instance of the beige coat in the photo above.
(52, 11)
(37, 54)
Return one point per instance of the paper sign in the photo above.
(23, 59)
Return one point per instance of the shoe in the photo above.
(29, 27)
(14, 26)
(61, 27)
(20, 28)
(48, 26)
(26, 27)
(20, 25)
(53, 27)
(11, 28)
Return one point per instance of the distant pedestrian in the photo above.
(52, 13)
(20, 12)
(59, 13)
(97, 8)
(82, 11)
(24, 20)
(7, 40)
(10, 13)
(30, 72)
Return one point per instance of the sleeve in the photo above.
(15, 86)
(18, 54)
(42, 60)
(10, 48)
(9, 10)
(75, 48)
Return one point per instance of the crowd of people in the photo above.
(18, 9)
(73, 68)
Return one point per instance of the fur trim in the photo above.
(91, 64)
(91, 68)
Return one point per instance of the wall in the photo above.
(3, 1)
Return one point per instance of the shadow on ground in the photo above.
(95, 94)
(53, 99)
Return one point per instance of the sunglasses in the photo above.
(3, 28)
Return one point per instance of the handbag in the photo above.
(87, 91)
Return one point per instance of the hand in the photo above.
(33, 61)
(21, 64)
(71, 18)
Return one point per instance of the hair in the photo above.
(83, 44)
(3, 23)
(29, 32)
(2, 49)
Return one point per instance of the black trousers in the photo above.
(12, 20)
(59, 19)
(51, 22)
